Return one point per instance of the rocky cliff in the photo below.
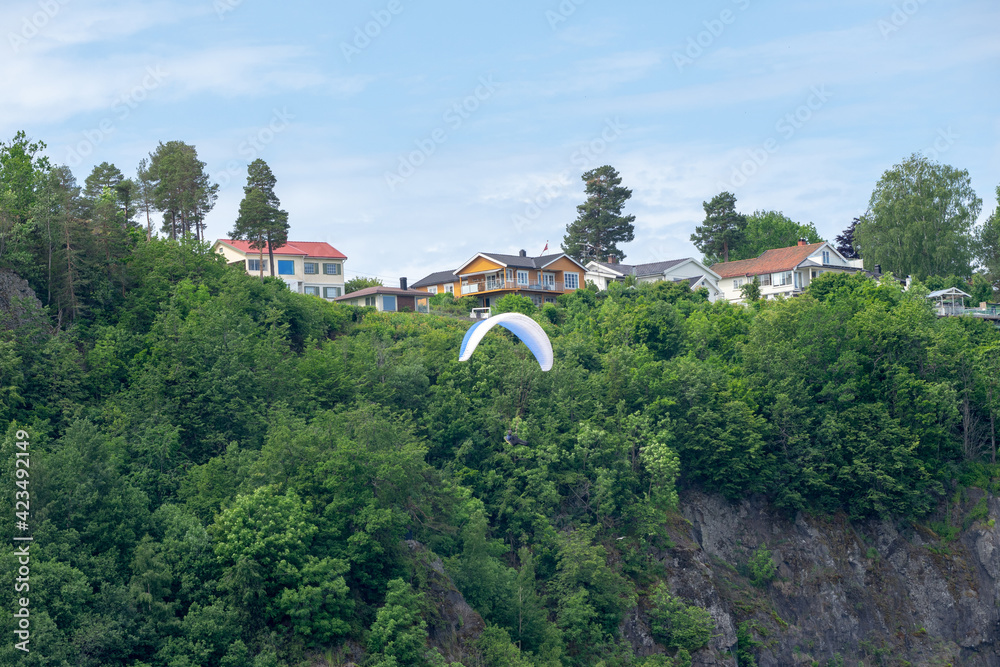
(842, 593)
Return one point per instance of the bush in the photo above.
(676, 624)
(761, 567)
(514, 303)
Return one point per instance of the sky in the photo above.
(412, 135)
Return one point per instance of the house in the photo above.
(438, 283)
(389, 299)
(783, 271)
(688, 269)
(491, 276)
(307, 267)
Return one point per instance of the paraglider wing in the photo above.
(525, 328)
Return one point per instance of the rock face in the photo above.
(878, 592)
(19, 307)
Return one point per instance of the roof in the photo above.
(381, 289)
(435, 279)
(639, 270)
(951, 291)
(519, 262)
(297, 248)
(770, 261)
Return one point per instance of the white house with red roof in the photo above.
(783, 271)
(307, 267)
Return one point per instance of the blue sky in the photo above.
(411, 135)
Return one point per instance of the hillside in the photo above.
(224, 473)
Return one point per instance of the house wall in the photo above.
(319, 280)
(561, 266)
(479, 264)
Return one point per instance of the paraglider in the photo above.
(521, 326)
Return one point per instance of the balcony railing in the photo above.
(491, 285)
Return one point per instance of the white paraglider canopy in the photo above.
(525, 328)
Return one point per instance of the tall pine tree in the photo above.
(722, 230)
(600, 226)
(261, 220)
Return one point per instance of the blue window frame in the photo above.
(286, 267)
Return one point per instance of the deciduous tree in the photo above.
(920, 220)
(766, 230)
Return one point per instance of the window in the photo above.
(388, 303)
(286, 267)
(572, 280)
(826, 256)
(765, 280)
(331, 268)
(510, 275)
(369, 301)
(737, 283)
(331, 292)
(522, 277)
(311, 289)
(310, 268)
(786, 278)
(254, 265)
(433, 289)
(450, 289)
(549, 280)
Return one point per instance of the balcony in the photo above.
(476, 287)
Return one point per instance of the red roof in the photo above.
(298, 248)
(770, 261)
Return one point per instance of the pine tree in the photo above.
(600, 225)
(723, 228)
(260, 220)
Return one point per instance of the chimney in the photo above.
(402, 283)
(878, 269)
(523, 253)
(803, 242)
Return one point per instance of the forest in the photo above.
(224, 473)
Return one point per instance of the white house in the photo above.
(783, 271)
(687, 269)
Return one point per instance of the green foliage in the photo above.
(227, 472)
(745, 644)
(766, 230)
(677, 625)
(761, 567)
(398, 636)
(359, 283)
(920, 220)
(600, 226)
(722, 230)
(514, 303)
(751, 290)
